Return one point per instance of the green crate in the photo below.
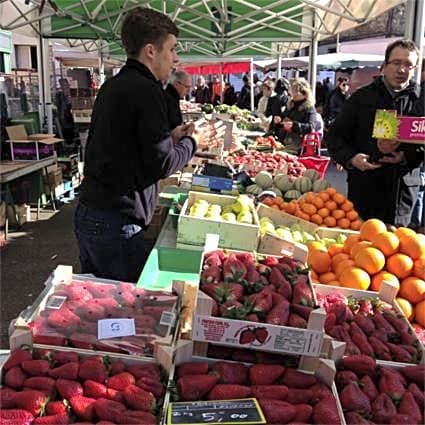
(174, 210)
(167, 264)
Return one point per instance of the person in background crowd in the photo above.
(229, 95)
(267, 90)
(216, 91)
(299, 118)
(129, 149)
(337, 98)
(244, 99)
(320, 97)
(382, 175)
(258, 93)
(277, 103)
(178, 87)
(328, 86)
(64, 110)
(201, 92)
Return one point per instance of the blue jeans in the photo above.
(110, 246)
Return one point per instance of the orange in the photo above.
(315, 218)
(343, 223)
(318, 202)
(343, 265)
(413, 289)
(353, 277)
(309, 196)
(357, 247)
(370, 259)
(335, 283)
(290, 208)
(330, 191)
(338, 214)
(418, 268)
(412, 246)
(319, 261)
(400, 265)
(324, 196)
(347, 206)
(406, 308)
(316, 246)
(420, 313)
(386, 242)
(309, 209)
(352, 215)
(402, 232)
(335, 248)
(327, 277)
(370, 228)
(330, 205)
(350, 241)
(355, 225)
(302, 215)
(323, 212)
(329, 221)
(339, 257)
(380, 277)
(339, 199)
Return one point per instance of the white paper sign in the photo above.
(113, 328)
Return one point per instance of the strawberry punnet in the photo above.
(195, 387)
(228, 392)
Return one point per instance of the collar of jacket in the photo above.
(412, 88)
(143, 69)
(173, 91)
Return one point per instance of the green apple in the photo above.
(297, 236)
(284, 234)
(267, 227)
(245, 217)
(229, 216)
(243, 203)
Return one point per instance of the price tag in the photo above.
(113, 328)
(55, 302)
(241, 411)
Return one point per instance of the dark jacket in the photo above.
(202, 94)
(388, 192)
(335, 102)
(129, 148)
(244, 99)
(229, 96)
(173, 107)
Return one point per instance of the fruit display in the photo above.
(48, 387)
(369, 326)
(326, 208)
(69, 315)
(242, 210)
(363, 261)
(286, 395)
(269, 290)
(374, 394)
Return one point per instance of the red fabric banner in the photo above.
(227, 68)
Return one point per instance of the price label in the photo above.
(241, 411)
(113, 328)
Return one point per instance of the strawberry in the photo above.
(108, 410)
(136, 417)
(247, 336)
(326, 412)
(353, 418)
(252, 276)
(94, 389)
(64, 320)
(368, 387)
(121, 381)
(83, 407)
(301, 310)
(381, 351)
(295, 379)
(231, 373)
(41, 383)
(344, 377)
(91, 311)
(365, 323)
(114, 395)
(418, 394)
(382, 323)
(31, 400)
(56, 408)
(360, 365)
(263, 374)
(211, 274)
(277, 279)
(16, 417)
(192, 368)
(83, 340)
(298, 395)
(228, 392)
(275, 392)
(297, 321)
(400, 419)
(151, 385)
(408, 406)
(68, 389)
(149, 370)
(106, 303)
(246, 258)
(16, 358)
(35, 367)
(88, 327)
(407, 338)
(101, 291)
(117, 367)
(263, 302)
(48, 336)
(362, 343)
(352, 398)
(302, 293)
(278, 411)
(62, 357)
(76, 291)
(351, 349)
(399, 354)
(398, 323)
(303, 413)
(390, 384)
(67, 371)
(62, 419)
(7, 398)
(279, 314)
(415, 374)
(125, 286)
(261, 334)
(195, 387)
(139, 399)
(233, 269)
(92, 369)
(214, 258)
(321, 391)
(329, 322)
(270, 261)
(15, 377)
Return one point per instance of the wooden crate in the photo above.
(193, 230)
(334, 232)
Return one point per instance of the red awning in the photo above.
(214, 68)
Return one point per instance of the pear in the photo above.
(267, 227)
(243, 203)
(265, 220)
(284, 234)
(307, 237)
(227, 209)
(297, 236)
(229, 216)
(245, 217)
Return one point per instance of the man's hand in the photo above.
(182, 131)
(388, 145)
(361, 162)
(393, 158)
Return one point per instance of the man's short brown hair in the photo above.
(142, 26)
(404, 44)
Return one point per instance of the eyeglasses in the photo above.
(344, 85)
(185, 85)
(400, 64)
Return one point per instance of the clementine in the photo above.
(399, 264)
(383, 275)
(354, 277)
(319, 261)
(358, 246)
(406, 308)
(335, 248)
(327, 277)
(418, 268)
(370, 259)
(412, 246)
(413, 289)
(420, 313)
(343, 265)
(386, 242)
(370, 228)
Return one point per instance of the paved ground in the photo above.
(31, 255)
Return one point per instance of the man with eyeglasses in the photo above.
(382, 175)
(178, 88)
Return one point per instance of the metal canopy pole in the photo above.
(312, 65)
(251, 80)
(419, 22)
(279, 66)
(101, 65)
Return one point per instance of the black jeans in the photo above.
(110, 247)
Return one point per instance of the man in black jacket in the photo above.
(129, 149)
(382, 175)
(178, 88)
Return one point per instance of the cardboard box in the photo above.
(55, 178)
(23, 213)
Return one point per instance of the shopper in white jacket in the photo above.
(268, 91)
